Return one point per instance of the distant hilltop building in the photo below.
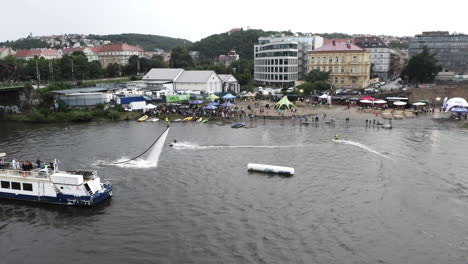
(47, 54)
(234, 30)
(231, 57)
(91, 53)
(118, 53)
(348, 64)
(282, 60)
(451, 51)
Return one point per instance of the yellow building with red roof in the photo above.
(348, 64)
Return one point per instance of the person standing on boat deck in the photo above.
(38, 163)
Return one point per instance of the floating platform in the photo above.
(270, 168)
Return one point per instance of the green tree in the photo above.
(158, 62)
(421, 68)
(113, 70)
(180, 58)
(317, 75)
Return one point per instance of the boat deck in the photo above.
(45, 173)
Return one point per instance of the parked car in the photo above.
(354, 92)
(346, 92)
(370, 91)
(338, 91)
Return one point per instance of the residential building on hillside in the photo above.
(47, 54)
(179, 80)
(229, 83)
(118, 53)
(348, 64)
(231, 57)
(91, 53)
(4, 52)
(279, 61)
(381, 57)
(451, 51)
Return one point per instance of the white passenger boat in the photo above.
(70, 187)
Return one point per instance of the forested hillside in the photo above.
(147, 42)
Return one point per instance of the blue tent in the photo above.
(128, 100)
(228, 96)
(196, 102)
(214, 103)
(210, 107)
(227, 104)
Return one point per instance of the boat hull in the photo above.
(70, 200)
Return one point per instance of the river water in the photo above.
(378, 196)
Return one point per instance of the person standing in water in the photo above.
(337, 137)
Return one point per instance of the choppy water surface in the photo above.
(378, 196)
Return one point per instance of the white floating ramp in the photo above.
(270, 168)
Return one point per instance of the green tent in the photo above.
(284, 102)
(213, 97)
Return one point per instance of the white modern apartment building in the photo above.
(282, 60)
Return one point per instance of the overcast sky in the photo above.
(196, 19)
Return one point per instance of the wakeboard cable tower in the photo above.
(120, 162)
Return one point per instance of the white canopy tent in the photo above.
(419, 104)
(150, 106)
(399, 103)
(366, 101)
(455, 101)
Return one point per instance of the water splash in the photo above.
(362, 146)
(147, 161)
(193, 146)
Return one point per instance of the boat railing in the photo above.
(26, 174)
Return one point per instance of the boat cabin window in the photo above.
(5, 184)
(27, 187)
(16, 185)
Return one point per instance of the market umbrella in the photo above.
(210, 107)
(399, 103)
(228, 96)
(419, 103)
(323, 96)
(214, 103)
(227, 104)
(196, 102)
(370, 98)
(249, 94)
(366, 101)
(426, 101)
(380, 102)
